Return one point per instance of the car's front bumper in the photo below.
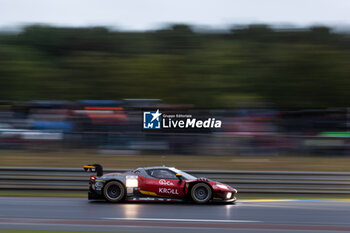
(221, 195)
(220, 200)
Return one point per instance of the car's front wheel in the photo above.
(201, 193)
(114, 191)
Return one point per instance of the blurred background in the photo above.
(79, 89)
(277, 91)
(76, 77)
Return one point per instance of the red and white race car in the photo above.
(156, 184)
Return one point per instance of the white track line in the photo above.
(181, 220)
(265, 200)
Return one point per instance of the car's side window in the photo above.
(161, 174)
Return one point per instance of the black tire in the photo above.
(114, 191)
(201, 193)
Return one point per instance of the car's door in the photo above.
(162, 183)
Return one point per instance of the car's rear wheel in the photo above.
(201, 193)
(114, 191)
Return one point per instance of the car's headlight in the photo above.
(228, 195)
(131, 182)
(222, 186)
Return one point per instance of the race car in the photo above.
(156, 184)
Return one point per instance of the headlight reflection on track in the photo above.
(229, 211)
(131, 210)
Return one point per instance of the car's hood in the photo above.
(223, 187)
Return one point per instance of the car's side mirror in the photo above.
(179, 176)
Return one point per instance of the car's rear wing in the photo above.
(94, 168)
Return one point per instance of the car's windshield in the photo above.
(184, 174)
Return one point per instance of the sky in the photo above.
(150, 14)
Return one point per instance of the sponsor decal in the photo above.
(168, 191)
(191, 123)
(164, 182)
(158, 120)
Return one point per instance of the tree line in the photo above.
(291, 68)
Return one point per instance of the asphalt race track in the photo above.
(245, 216)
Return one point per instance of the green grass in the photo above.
(262, 163)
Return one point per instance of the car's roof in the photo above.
(156, 167)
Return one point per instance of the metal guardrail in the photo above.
(278, 182)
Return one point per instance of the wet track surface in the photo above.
(244, 216)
